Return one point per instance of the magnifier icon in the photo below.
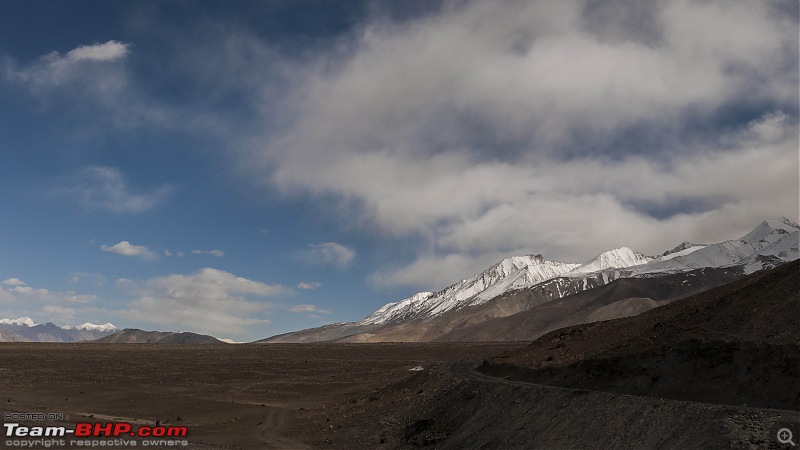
(785, 436)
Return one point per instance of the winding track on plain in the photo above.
(467, 369)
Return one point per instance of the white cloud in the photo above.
(330, 253)
(91, 82)
(217, 253)
(29, 294)
(308, 285)
(208, 301)
(106, 188)
(13, 282)
(496, 128)
(309, 309)
(75, 68)
(771, 128)
(29, 290)
(110, 51)
(125, 248)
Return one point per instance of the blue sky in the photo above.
(250, 168)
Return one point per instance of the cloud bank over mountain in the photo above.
(495, 128)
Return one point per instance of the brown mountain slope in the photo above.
(326, 333)
(737, 343)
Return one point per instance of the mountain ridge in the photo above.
(28, 330)
(771, 243)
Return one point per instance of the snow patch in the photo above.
(681, 253)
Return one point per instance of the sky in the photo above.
(250, 168)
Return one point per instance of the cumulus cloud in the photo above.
(563, 128)
(217, 253)
(13, 282)
(125, 248)
(107, 189)
(207, 301)
(330, 253)
(308, 285)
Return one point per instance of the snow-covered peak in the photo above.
(385, 312)
(511, 273)
(618, 258)
(92, 327)
(27, 321)
(514, 263)
(771, 226)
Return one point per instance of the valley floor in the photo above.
(354, 396)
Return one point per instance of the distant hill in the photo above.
(135, 336)
(10, 336)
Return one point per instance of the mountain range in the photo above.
(523, 297)
(25, 329)
(518, 298)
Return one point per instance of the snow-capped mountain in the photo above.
(511, 273)
(773, 242)
(26, 329)
(22, 321)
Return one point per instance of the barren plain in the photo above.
(286, 396)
